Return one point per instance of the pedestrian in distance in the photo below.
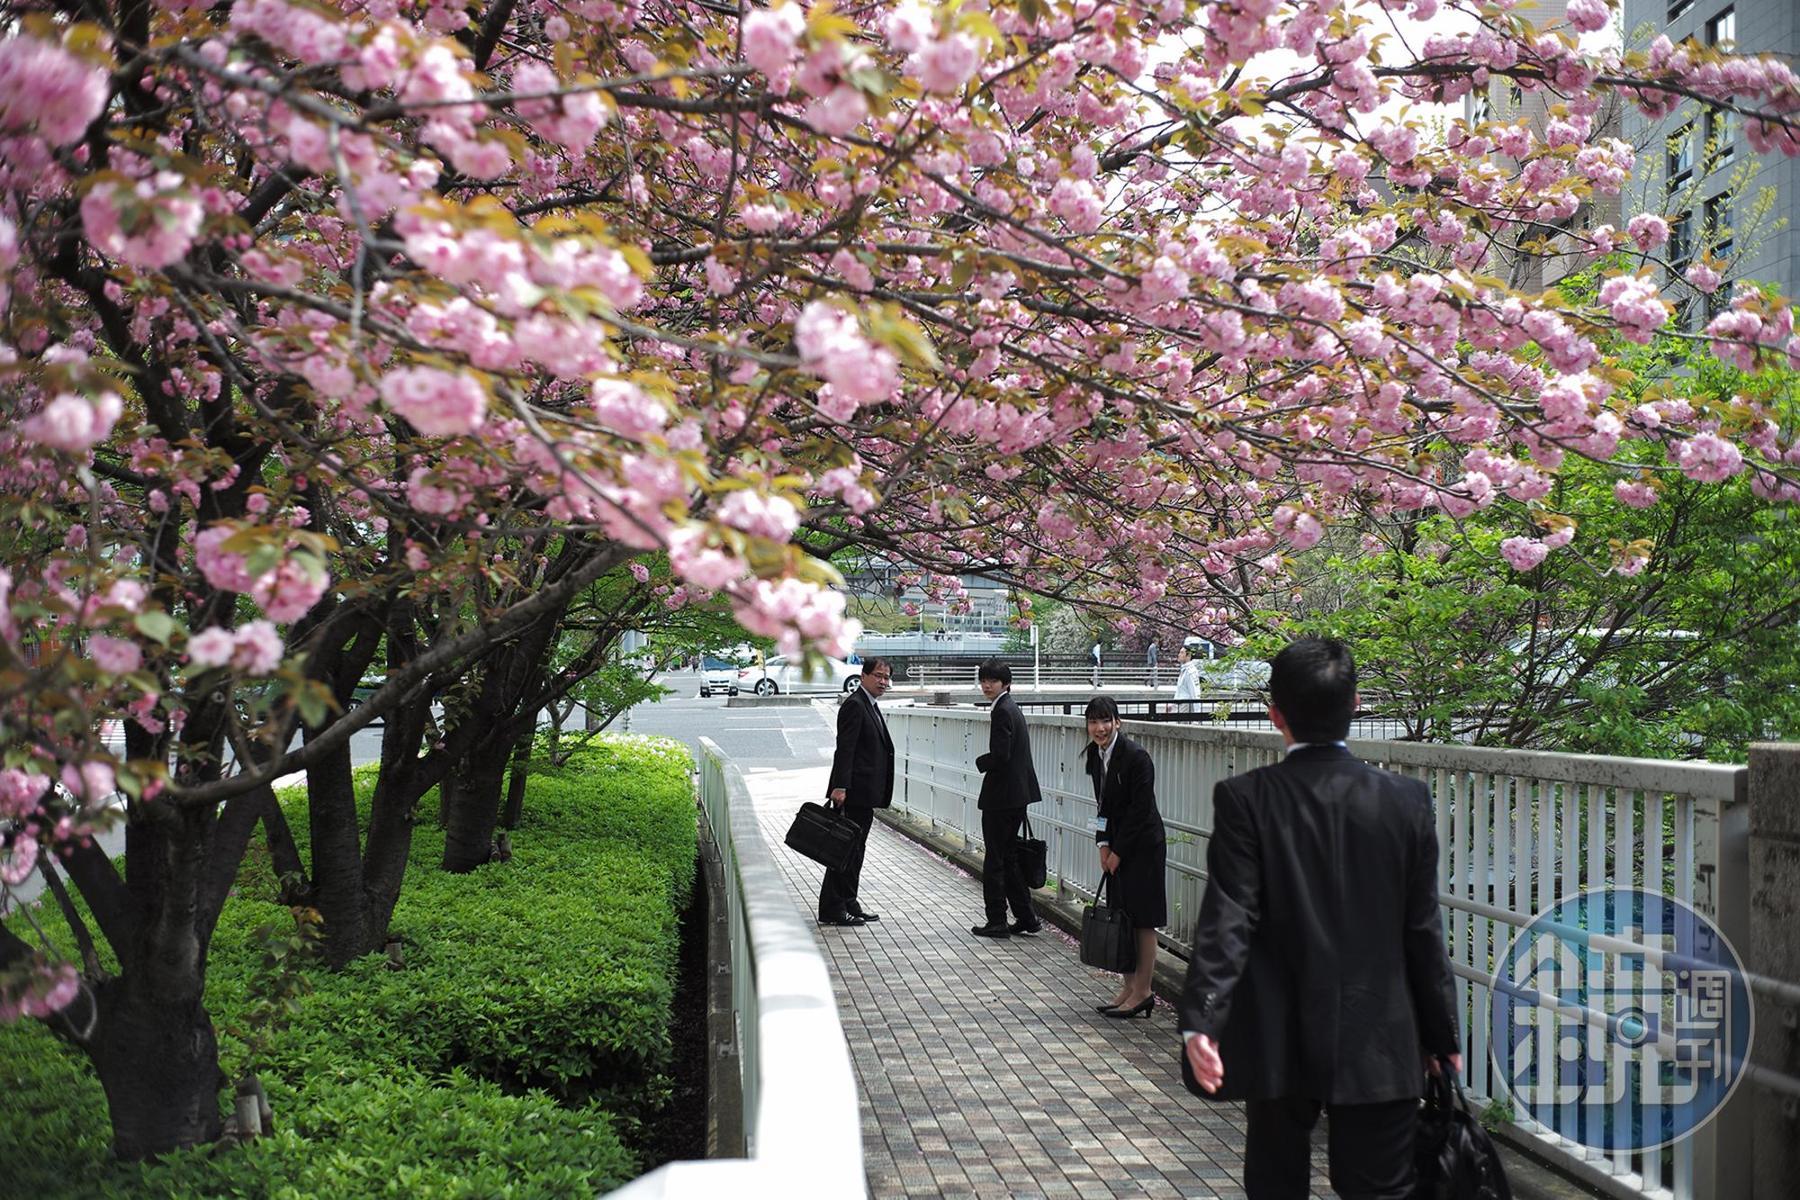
(1319, 978)
(1187, 675)
(1094, 660)
(1009, 784)
(1128, 830)
(1153, 662)
(862, 780)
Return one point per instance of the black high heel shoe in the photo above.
(1106, 1008)
(1141, 1010)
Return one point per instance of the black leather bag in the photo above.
(1033, 857)
(1453, 1157)
(823, 834)
(1107, 939)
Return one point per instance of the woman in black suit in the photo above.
(1132, 845)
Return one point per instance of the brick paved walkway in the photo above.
(983, 1068)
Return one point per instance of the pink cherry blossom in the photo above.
(945, 64)
(772, 517)
(115, 656)
(1708, 458)
(211, 647)
(222, 568)
(1588, 16)
(627, 409)
(19, 859)
(1523, 554)
(48, 91)
(74, 424)
(1704, 278)
(1647, 231)
(89, 782)
(289, 591)
(437, 403)
(771, 36)
(150, 224)
(256, 648)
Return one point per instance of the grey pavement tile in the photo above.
(982, 1067)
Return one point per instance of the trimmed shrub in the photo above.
(518, 1053)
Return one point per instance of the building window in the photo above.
(1717, 127)
(1679, 9)
(1722, 29)
(1681, 242)
(1718, 224)
(1680, 153)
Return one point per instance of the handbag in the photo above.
(1453, 1157)
(1107, 939)
(1033, 857)
(824, 834)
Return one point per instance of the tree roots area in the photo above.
(534, 1029)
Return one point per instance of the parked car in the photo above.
(778, 675)
(719, 674)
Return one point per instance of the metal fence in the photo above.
(1518, 830)
(802, 1125)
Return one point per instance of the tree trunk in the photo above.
(158, 1061)
(515, 783)
(337, 861)
(469, 836)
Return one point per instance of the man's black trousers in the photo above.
(1371, 1150)
(839, 887)
(1000, 878)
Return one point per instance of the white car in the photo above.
(778, 675)
(718, 675)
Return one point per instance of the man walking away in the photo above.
(1009, 783)
(1319, 977)
(862, 780)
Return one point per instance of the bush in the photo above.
(518, 1054)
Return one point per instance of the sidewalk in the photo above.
(983, 1068)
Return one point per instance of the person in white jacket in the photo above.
(1187, 679)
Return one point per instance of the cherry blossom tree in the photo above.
(337, 333)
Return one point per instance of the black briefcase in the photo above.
(824, 834)
(1107, 939)
(1033, 857)
(1453, 1157)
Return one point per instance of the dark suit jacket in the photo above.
(1319, 964)
(1127, 800)
(1009, 779)
(864, 762)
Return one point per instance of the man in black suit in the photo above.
(862, 780)
(1009, 783)
(1319, 977)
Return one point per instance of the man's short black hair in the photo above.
(1102, 708)
(1313, 682)
(872, 666)
(993, 668)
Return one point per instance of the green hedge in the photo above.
(518, 1054)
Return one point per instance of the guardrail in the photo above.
(1517, 830)
(803, 1129)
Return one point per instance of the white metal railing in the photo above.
(1517, 830)
(802, 1125)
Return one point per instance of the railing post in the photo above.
(1774, 950)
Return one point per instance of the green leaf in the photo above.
(156, 625)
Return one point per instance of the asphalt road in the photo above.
(773, 737)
